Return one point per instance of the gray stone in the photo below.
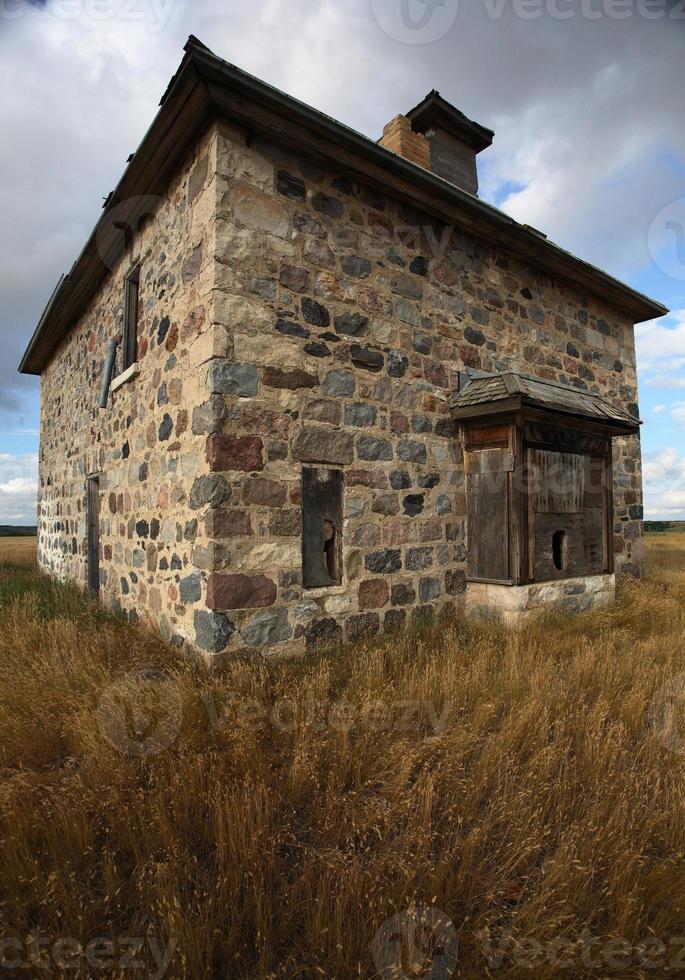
(398, 362)
(210, 416)
(363, 357)
(323, 445)
(407, 312)
(360, 415)
(213, 490)
(233, 379)
(400, 480)
(352, 325)
(368, 447)
(190, 588)
(413, 504)
(315, 313)
(443, 504)
(212, 631)
(385, 561)
(338, 384)
(412, 452)
(267, 628)
(166, 428)
(429, 589)
(419, 558)
(355, 265)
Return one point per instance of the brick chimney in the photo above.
(441, 138)
(399, 137)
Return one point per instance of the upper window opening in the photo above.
(131, 285)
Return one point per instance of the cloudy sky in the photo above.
(585, 97)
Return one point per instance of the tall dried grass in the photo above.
(531, 786)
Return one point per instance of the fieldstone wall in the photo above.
(151, 463)
(291, 315)
(347, 317)
(516, 605)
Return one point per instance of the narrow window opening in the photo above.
(559, 550)
(93, 517)
(322, 518)
(131, 289)
(331, 550)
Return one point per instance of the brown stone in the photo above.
(267, 493)
(323, 445)
(376, 479)
(234, 453)
(229, 523)
(293, 379)
(286, 522)
(239, 591)
(373, 593)
(322, 410)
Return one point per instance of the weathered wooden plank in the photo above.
(489, 461)
(584, 545)
(487, 435)
(488, 526)
(557, 481)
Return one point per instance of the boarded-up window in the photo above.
(130, 355)
(322, 520)
(487, 492)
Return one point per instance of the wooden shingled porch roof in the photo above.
(496, 393)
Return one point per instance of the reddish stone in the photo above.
(367, 478)
(399, 533)
(172, 339)
(373, 593)
(113, 503)
(259, 420)
(399, 423)
(275, 378)
(269, 493)
(239, 591)
(234, 453)
(229, 524)
(430, 532)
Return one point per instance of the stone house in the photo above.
(300, 387)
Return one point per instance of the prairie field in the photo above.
(457, 800)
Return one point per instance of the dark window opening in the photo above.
(559, 550)
(93, 515)
(322, 519)
(131, 285)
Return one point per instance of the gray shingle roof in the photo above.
(540, 394)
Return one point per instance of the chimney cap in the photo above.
(435, 112)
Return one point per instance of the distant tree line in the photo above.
(14, 531)
(658, 527)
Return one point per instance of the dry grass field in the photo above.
(523, 794)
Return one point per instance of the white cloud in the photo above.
(664, 484)
(18, 485)
(661, 347)
(659, 409)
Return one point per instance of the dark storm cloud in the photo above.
(588, 113)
